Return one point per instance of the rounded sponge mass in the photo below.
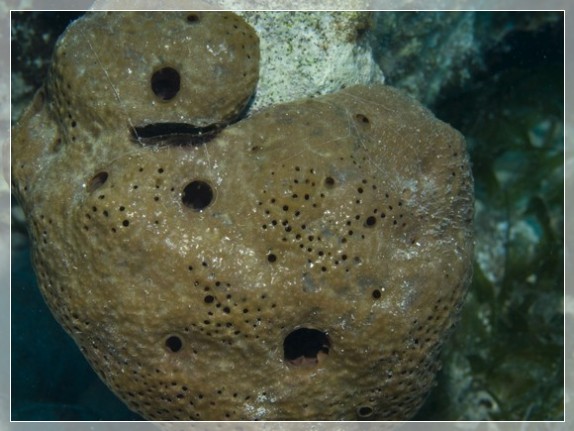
(194, 67)
(305, 263)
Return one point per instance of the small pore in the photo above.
(363, 120)
(97, 181)
(192, 18)
(364, 412)
(370, 221)
(173, 343)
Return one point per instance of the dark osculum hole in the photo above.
(174, 134)
(165, 83)
(197, 195)
(183, 134)
(305, 343)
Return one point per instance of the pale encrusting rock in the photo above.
(303, 263)
(305, 54)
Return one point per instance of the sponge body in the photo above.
(181, 266)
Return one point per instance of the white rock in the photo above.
(307, 54)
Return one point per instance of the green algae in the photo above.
(505, 360)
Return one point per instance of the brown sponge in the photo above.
(305, 263)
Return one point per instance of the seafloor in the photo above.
(503, 89)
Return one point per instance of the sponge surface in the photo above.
(304, 263)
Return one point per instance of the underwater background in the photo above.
(504, 90)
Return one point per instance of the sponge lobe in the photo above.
(348, 214)
(111, 68)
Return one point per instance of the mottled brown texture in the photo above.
(348, 213)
